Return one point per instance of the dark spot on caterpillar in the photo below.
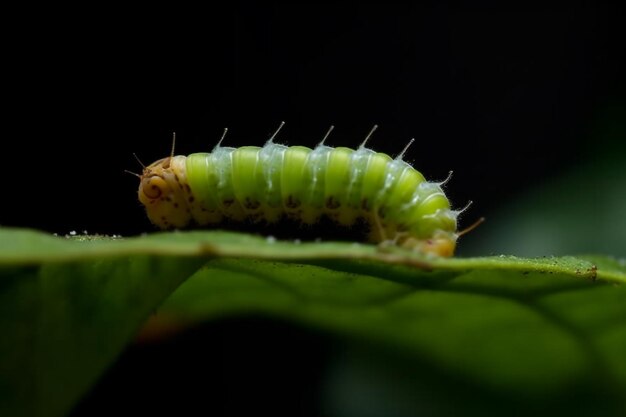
(251, 204)
(292, 203)
(187, 188)
(203, 209)
(191, 199)
(176, 178)
(594, 272)
(365, 205)
(295, 215)
(154, 187)
(255, 217)
(168, 199)
(175, 205)
(228, 202)
(331, 203)
(163, 218)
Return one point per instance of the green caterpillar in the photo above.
(266, 183)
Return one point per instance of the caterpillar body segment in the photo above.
(267, 183)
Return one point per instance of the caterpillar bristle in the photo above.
(219, 143)
(369, 135)
(448, 178)
(471, 227)
(330, 129)
(173, 144)
(406, 148)
(139, 160)
(132, 173)
(271, 139)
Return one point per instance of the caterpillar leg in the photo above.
(380, 234)
(400, 236)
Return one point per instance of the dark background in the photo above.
(506, 99)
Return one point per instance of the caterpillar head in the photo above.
(163, 191)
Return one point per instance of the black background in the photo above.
(506, 99)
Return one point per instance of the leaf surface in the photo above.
(508, 329)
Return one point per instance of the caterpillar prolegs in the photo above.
(265, 184)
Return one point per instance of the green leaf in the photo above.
(505, 329)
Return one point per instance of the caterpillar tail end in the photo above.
(443, 246)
